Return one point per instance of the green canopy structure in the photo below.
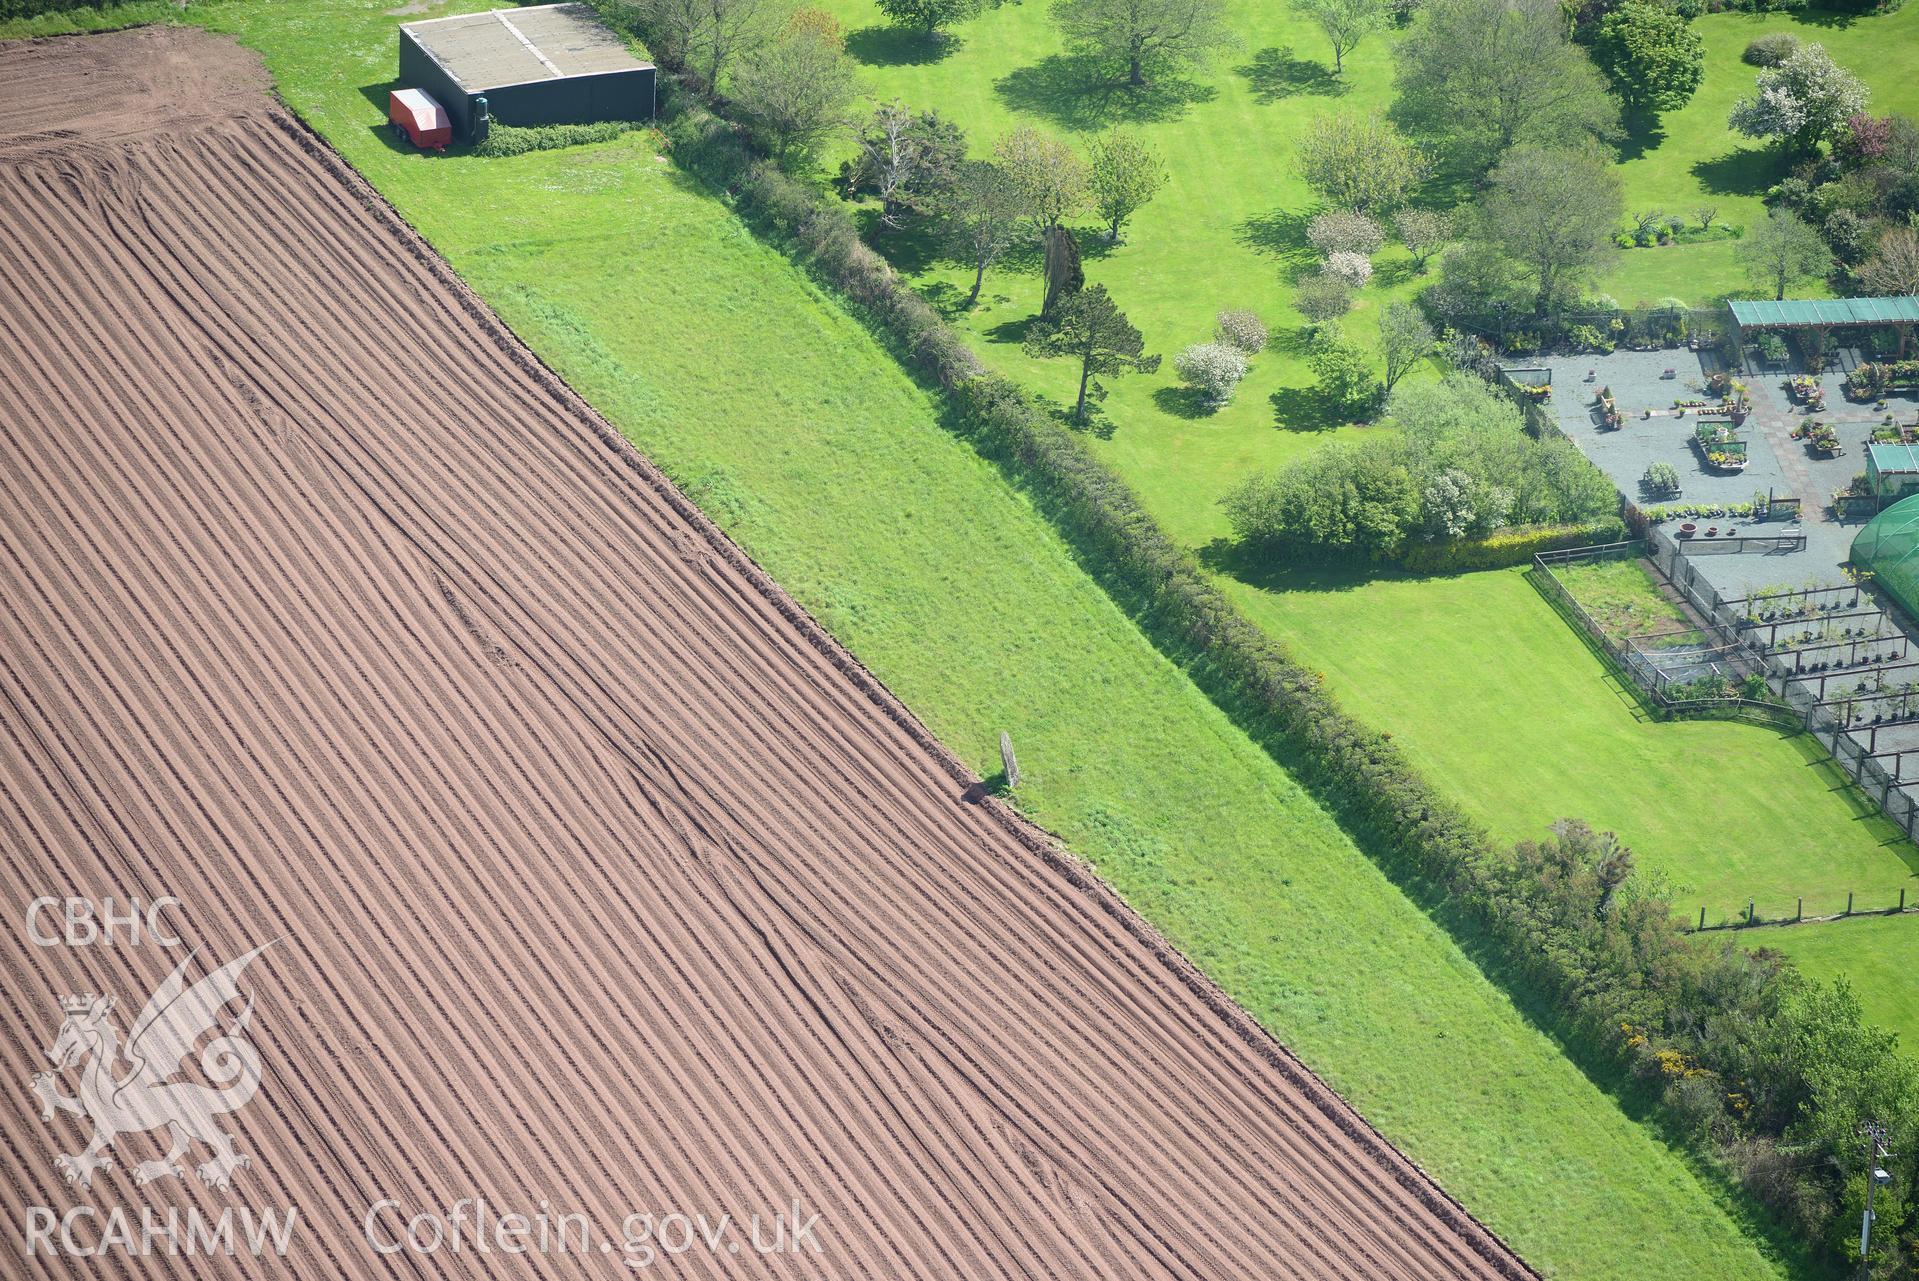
(1889, 547)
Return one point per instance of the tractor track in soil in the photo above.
(597, 874)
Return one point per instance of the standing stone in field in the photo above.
(1063, 275)
(1007, 760)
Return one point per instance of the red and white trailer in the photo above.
(421, 119)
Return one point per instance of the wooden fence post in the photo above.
(1848, 902)
(1800, 913)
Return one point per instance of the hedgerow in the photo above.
(514, 140)
(1752, 1064)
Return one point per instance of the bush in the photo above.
(1322, 298)
(1770, 50)
(1343, 231)
(508, 140)
(1507, 547)
(1242, 329)
(1345, 378)
(1349, 269)
(1588, 338)
(1214, 368)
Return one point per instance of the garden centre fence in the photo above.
(1727, 646)
(1814, 716)
(1723, 649)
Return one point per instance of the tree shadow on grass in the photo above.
(1080, 93)
(1281, 234)
(1744, 171)
(1643, 133)
(900, 46)
(1303, 409)
(1272, 572)
(1274, 73)
(1011, 331)
(1183, 402)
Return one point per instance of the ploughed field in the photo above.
(593, 874)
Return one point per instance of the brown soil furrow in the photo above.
(597, 873)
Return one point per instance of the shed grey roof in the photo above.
(1807, 313)
(512, 46)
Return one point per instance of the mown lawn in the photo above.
(1501, 703)
(782, 417)
(1873, 953)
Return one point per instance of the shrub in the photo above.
(1345, 378)
(510, 140)
(1507, 547)
(1242, 329)
(1350, 269)
(1343, 231)
(1214, 368)
(1589, 338)
(1770, 50)
(1322, 298)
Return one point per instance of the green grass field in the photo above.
(791, 426)
(1501, 703)
(1873, 953)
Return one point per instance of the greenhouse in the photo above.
(1888, 548)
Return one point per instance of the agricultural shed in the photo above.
(545, 65)
(1889, 547)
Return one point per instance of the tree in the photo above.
(979, 217)
(1144, 35)
(927, 16)
(1342, 231)
(1652, 56)
(1124, 174)
(1049, 175)
(1893, 271)
(1405, 339)
(1091, 329)
(1551, 213)
(1323, 299)
(1480, 76)
(1705, 214)
(1345, 22)
(1359, 162)
(795, 92)
(1783, 250)
(1344, 378)
(1800, 102)
(906, 160)
(1214, 369)
(705, 36)
(1424, 232)
(1351, 269)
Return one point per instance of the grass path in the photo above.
(781, 416)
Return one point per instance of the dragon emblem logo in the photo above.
(130, 1088)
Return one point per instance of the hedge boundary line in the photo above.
(1603, 1005)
